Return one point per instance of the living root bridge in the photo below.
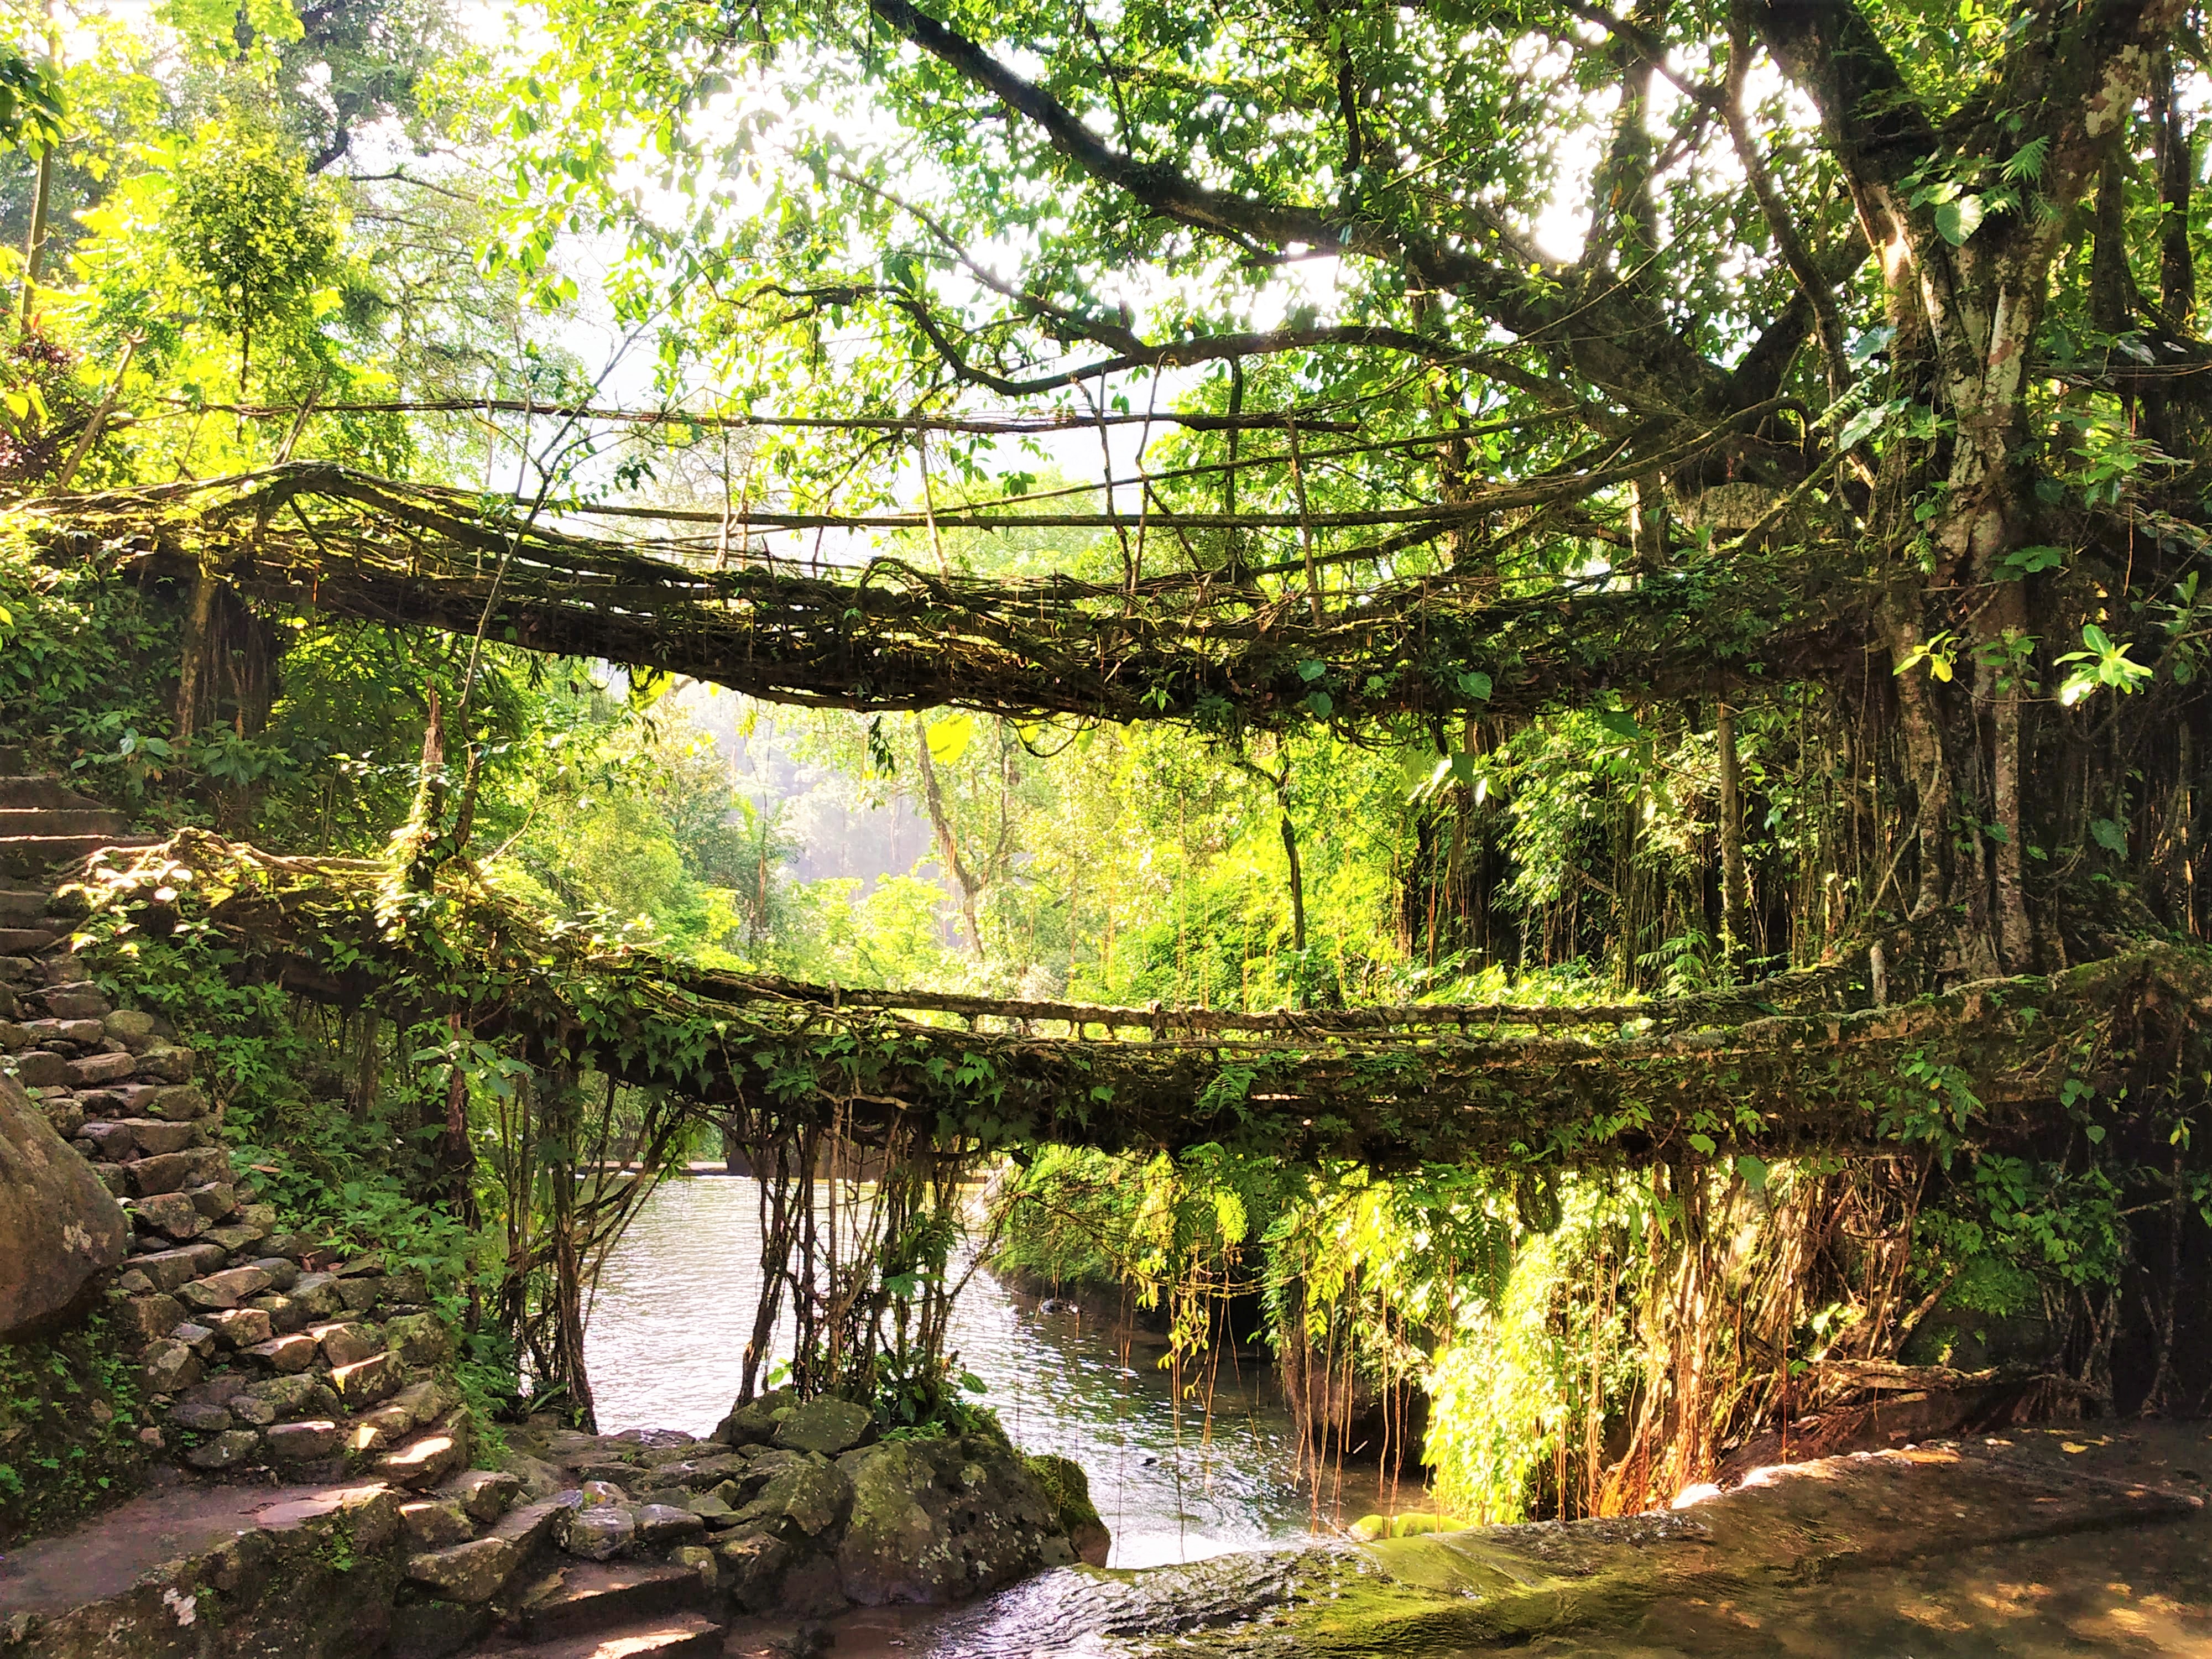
(1987, 1062)
(1257, 650)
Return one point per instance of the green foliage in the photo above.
(69, 1417)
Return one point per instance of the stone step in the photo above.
(22, 906)
(42, 855)
(657, 1638)
(61, 821)
(598, 1596)
(26, 941)
(21, 790)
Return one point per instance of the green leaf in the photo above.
(2110, 836)
(1957, 221)
(1310, 671)
(1754, 1170)
(2028, 561)
(1475, 683)
(1320, 702)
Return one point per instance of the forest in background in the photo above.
(374, 233)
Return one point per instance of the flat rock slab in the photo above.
(1851, 1525)
(108, 1555)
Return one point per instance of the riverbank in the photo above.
(2037, 1544)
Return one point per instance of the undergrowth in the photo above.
(69, 1428)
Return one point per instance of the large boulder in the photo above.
(937, 1521)
(59, 1227)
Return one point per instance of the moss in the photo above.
(69, 1428)
(1067, 1489)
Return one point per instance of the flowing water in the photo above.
(1174, 1479)
(1213, 1509)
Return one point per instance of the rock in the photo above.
(295, 1396)
(599, 1533)
(419, 1339)
(227, 1450)
(170, 1214)
(198, 1338)
(234, 1237)
(145, 1317)
(359, 1295)
(753, 1422)
(110, 1141)
(171, 1172)
(421, 1401)
(623, 1477)
(1067, 1489)
(286, 1353)
(178, 1103)
(310, 1437)
(240, 1328)
(228, 1288)
(65, 1114)
(256, 1215)
(378, 1431)
(131, 1282)
(344, 1343)
(95, 1069)
(370, 1266)
(825, 1425)
(168, 1367)
(593, 1494)
(171, 1269)
(407, 1287)
(79, 1000)
(660, 1524)
(59, 1227)
(129, 1023)
(434, 1526)
(810, 1499)
(255, 1413)
(424, 1463)
(283, 1273)
(366, 1382)
(702, 1561)
(156, 1138)
(484, 1494)
(170, 1065)
(706, 1506)
(754, 1562)
(200, 1418)
(290, 1246)
(467, 1572)
(215, 1200)
(286, 1316)
(319, 1294)
(936, 1521)
(39, 1069)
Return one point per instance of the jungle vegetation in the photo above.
(1306, 506)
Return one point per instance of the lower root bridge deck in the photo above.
(1757, 1071)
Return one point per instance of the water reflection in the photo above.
(1174, 1480)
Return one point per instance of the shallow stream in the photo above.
(1173, 1480)
(1179, 1487)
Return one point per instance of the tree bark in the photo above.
(1735, 887)
(948, 849)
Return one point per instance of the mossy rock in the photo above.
(1067, 1489)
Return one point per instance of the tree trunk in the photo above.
(948, 849)
(1735, 887)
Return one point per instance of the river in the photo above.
(1174, 1480)
(1177, 1488)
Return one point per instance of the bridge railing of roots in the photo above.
(828, 1090)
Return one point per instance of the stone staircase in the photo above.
(613, 1610)
(45, 826)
